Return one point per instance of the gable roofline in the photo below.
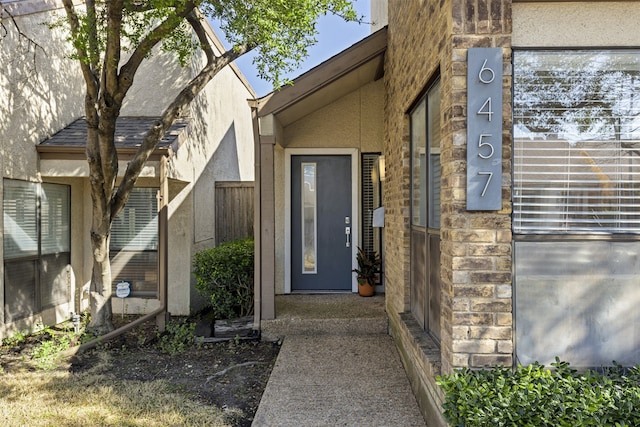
(368, 51)
(217, 42)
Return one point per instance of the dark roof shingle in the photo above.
(130, 132)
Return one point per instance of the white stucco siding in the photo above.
(220, 147)
(180, 252)
(42, 90)
(545, 24)
(353, 121)
(157, 82)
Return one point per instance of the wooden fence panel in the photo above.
(234, 210)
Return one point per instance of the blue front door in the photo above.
(321, 221)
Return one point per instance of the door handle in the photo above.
(347, 232)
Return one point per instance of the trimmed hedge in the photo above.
(537, 396)
(224, 275)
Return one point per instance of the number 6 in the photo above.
(488, 70)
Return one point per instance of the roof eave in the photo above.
(324, 74)
(56, 152)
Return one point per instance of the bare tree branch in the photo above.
(4, 32)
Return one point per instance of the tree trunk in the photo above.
(100, 298)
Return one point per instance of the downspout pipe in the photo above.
(160, 314)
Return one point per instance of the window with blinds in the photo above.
(371, 200)
(576, 142)
(37, 248)
(134, 243)
(20, 238)
(55, 244)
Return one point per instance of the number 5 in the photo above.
(485, 144)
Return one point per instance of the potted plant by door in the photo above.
(368, 267)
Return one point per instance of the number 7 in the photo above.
(490, 175)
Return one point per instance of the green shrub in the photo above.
(178, 337)
(539, 396)
(224, 275)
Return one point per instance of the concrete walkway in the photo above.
(335, 367)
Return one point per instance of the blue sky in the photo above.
(334, 36)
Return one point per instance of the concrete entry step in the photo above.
(320, 314)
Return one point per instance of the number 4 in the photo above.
(486, 109)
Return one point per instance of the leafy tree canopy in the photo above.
(280, 31)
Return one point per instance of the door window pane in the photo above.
(309, 214)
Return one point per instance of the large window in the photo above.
(36, 243)
(425, 211)
(576, 210)
(134, 243)
(577, 142)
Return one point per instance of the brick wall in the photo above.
(426, 36)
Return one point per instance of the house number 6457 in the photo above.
(484, 129)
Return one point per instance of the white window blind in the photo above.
(576, 142)
(136, 227)
(55, 219)
(20, 219)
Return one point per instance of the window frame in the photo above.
(425, 286)
(569, 230)
(557, 274)
(40, 258)
(139, 287)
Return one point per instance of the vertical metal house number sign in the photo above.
(484, 129)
